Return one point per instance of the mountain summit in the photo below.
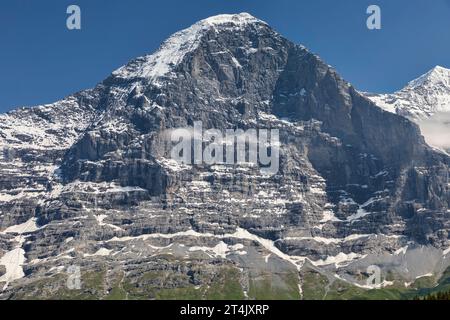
(438, 76)
(88, 183)
(173, 50)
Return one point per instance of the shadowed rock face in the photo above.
(354, 180)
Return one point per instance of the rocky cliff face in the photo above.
(426, 101)
(88, 181)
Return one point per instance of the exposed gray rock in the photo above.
(95, 173)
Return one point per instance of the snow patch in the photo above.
(358, 215)
(26, 227)
(13, 261)
(102, 252)
(401, 251)
(446, 251)
(221, 249)
(239, 234)
(340, 260)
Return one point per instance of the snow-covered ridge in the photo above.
(426, 101)
(53, 126)
(437, 75)
(174, 49)
(240, 19)
(421, 98)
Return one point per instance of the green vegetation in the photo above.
(436, 296)
(166, 285)
(226, 286)
(201, 282)
(275, 287)
(314, 286)
(317, 287)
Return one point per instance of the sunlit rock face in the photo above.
(89, 181)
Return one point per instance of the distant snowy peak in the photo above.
(174, 49)
(421, 98)
(436, 76)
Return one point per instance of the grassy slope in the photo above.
(226, 284)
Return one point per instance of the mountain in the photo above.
(425, 100)
(88, 187)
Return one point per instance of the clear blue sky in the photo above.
(41, 61)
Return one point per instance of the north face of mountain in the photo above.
(94, 185)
